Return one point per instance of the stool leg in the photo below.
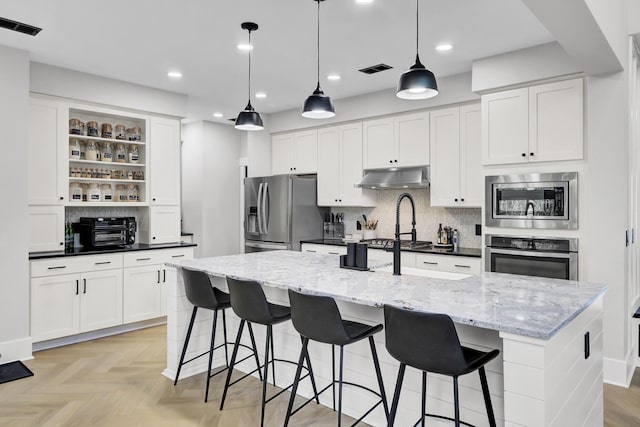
(456, 401)
(224, 331)
(186, 343)
(255, 349)
(294, 389)
(424, 397)
(340, 386)
(213, 341)
(266, 373)
(233, 361)
(273, 360)
(376, 364)
(333, 375)
(396, 395)
(487, 397)
(313, 378)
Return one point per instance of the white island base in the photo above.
(534, 382)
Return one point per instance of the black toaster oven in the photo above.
(107, 232)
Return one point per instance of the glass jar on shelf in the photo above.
(107, 152)
(106, 193)
(93, 153)
(134, 156)
(107, 130)
(94, 192)
(92, 129)
(121, 133)
(85, 192)
(75, 127)
(132, 192)
(75, 192)
(121, 193)
(83, 150)
(121, 153)
(133, 134)
(74, 149)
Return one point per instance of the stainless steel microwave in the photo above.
(541, 200)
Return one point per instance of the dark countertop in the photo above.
(470, 252)
(92, 251)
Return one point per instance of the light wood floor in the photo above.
(116, 381)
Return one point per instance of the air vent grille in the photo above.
(19, 27)
(375, 68)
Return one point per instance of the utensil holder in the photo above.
(369, 234)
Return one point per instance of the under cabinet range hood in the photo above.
(399, 178)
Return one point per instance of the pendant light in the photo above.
(249, 119)
(417, 82)
(318, 105)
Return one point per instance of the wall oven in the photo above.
(544, 200)
(555, 258)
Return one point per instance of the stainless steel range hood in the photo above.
(399, 178)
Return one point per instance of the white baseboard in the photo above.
(10, 351)
(618, 372)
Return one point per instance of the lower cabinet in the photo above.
(143, 288)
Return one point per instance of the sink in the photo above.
(432, 274)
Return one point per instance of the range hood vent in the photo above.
(396, 179)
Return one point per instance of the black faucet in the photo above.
(396, 243)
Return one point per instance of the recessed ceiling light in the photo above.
(334, 77)
(174, 74)
(364, 1)
(218, 115)
(245, 47)
(444, 47)
(261, 95)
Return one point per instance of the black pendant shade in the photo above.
(249, 119)
(318, 105)
(417, 83)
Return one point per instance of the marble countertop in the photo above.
(468, 252)
(522, 305)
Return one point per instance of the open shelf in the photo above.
(111, 140)
(107, 180)
(92, 162)
(107, 204)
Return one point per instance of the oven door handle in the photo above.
(537, 254)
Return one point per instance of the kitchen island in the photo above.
(549, 332)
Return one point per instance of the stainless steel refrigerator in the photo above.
(280, 211)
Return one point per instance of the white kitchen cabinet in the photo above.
(536, 124)
(399, 141)
(46, 228)
(164, 162)
(55, 306)
(295, 153)
(160, 224)
(100, 299)
(340, 167)
(323, 249)
(449, 263)
(456, 174)
(48, 151)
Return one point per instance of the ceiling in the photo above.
(140, 41)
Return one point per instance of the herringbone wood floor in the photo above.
(116, 381)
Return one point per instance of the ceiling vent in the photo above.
(19, 27)
(375, 68)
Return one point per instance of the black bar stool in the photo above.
(251, 306)
(429, 342)
(202, 294)
(317, 318)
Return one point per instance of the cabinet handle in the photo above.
(462, 266)
(57, 268)
(334, 253)
(158, 276)
(524, 154)
(84, 286)
(295, 169)
(390, 161)
(61, 198)
(335, 200)
(290, 169)
(429, 263)
(587, 345)
(61, 243)
(455, 200)
(102, 263)
(531, 154)
(77, 287)
(154, 199)
(154, 237)
(309, 250)
(164, 275)
(396, 161)
(177, 256)
(462, 200)
(143, 259)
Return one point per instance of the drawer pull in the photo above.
(462, 266)
(429, 263)
(143, 259)
(308, 250)
(334, 253)
(587, 346)
(164, 276)
(102, 263)
(177, 256)
(77, 287)
(57, 268)
(158, 276)
(84, 284)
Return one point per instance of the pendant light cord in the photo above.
(250, 66)
(318, 47)
(417, 29)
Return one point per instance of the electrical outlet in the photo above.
(478, 229)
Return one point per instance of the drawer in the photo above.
(431, 262)
(324, 249)
(75, 264)
(158, 256)
(460, 264)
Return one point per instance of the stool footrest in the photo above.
(442, 417)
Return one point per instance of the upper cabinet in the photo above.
(295, 153)
(536, 124)
(456, 176)
(164, 162)
(340, 167)
(400, 141)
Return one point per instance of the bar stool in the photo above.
(429, 342)
(202, 294)
(317, 318)
(250, 304)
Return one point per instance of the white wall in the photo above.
(50, 80)
(211, 187)
(633, 14)
(15, 341)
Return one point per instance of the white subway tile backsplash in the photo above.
(427, 218)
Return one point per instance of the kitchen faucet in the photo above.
(396, 243)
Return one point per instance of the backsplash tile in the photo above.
(427, 217)
(74, 213)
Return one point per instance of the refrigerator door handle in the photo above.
(259, 208)
(266, 207)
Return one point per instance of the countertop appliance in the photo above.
(280, 211)
(554, 257)
(107, 232)
(541, 200)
